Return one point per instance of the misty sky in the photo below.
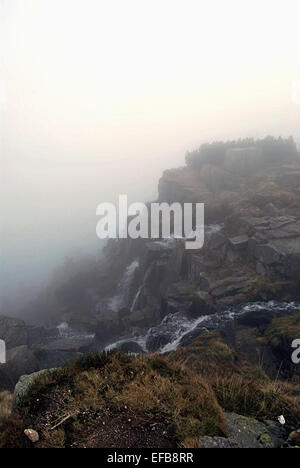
(98, 97)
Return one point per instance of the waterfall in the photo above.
(122, 297)
(136, 298)
(176, 328)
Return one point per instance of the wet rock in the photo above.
(256, 318)
(202, 304)
(131, 347)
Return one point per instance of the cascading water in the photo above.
(136, 297)
(176, 328)
(121, 299)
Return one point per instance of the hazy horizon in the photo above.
(98, 98)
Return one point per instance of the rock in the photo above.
(54, 358)
(217, 240)
(157, 339)
(294, 438)
(216, 178)
(67, 344)
(270, 210)
(123, 313)
(218, 443)
(24, 385)
(202, 304)
(32, 435)
(39, 335)
(229, 286)
(239, 242)
(260, 269)
(246, 432)
(131, 347)
(290, 179)
(204, 284)
(256, 318)
(267, 254)
(20, 361)
(13, 332)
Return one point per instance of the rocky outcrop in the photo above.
(25, 384)
(245, 432)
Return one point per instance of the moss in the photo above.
(208, 354)
(261, 289)
(283, 330)
(266, 441)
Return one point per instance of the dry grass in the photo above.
(5, 405)
(283, 329)
(262, 400)
(207, 355)
(119, 399)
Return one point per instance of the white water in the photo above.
(186, 327)
(177, 326)
(136, 298)
(121, 298)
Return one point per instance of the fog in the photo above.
(98, 98)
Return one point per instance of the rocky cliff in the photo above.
(227, 312)
(148, 294)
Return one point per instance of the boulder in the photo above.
(239, 242)
(229, 286)
(24, 385)
(267, 254)
(131, 347)
(294, 438)
(202, 304)
(270, 210)
(246, 432)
